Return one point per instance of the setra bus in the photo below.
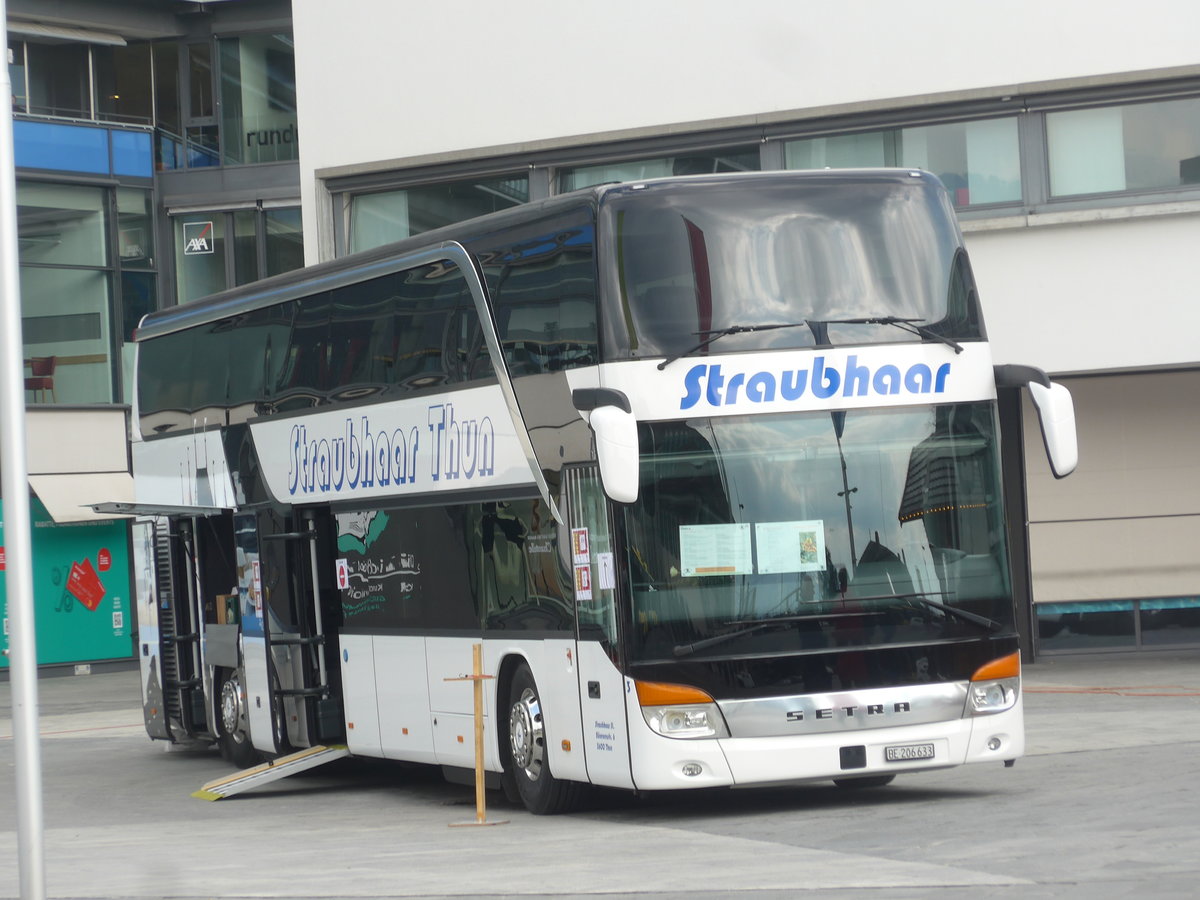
(708, 465)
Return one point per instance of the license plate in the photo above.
(908, 751)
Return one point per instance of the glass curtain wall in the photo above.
(66, 293)
(58, 80)
(124, 84)
(258, 99)
(387, 216)
(217, 249)
(730, 159)
(1138, 147)
(979, 161)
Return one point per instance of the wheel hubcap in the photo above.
(231, 707)
(526, 734)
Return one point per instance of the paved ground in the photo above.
(1104, 806)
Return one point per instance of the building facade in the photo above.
(156, 149)
(160, 159)
(1068, 136)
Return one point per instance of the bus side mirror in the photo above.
(1056, 414)
(615, 429)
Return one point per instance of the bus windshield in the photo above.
(691, 259)
(807, 532)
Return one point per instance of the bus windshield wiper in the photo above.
(944, 608)
(713, 333)
(912, 326)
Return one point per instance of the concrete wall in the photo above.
(1094, 293)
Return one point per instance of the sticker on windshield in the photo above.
(706, 550)
(790, 546)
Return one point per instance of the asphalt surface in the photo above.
(1107, 809)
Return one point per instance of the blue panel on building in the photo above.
(67, 148)
(131, 154)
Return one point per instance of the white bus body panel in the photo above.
(360, 703)
(832, 378)
(258, 691)
(452, 702)
(552, 662)
(401, 697)
(184, 470)
(402, 448)
(605, 726)
(658, 762)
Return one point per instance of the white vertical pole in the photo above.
(18, 543)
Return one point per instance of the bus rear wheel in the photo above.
(539, 790)
(232, 725)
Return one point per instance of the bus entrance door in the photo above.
(601, 684)
(291, 701)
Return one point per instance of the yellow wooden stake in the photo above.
(477, 678)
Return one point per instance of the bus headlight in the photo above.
(995, 686)
(993, 696)
(679, 711)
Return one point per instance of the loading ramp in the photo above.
(271, 771)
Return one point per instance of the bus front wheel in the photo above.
(539, 790)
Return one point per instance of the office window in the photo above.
(135, 223)
(1137, 147)
(123, 84)
(66, 293)
(386, 216)
(258, 99)
(979, 161)
(219, 249)
(199, 255)
(284, 240)
(730, 159)
(16, 76)
(58, 80)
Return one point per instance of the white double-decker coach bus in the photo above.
(709, 466)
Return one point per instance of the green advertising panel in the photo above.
(81, 596)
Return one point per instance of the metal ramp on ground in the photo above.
(270, 771)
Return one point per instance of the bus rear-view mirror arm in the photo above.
(1056, 413)
(614, 427)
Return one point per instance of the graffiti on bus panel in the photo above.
(367, 579)
(397, 569)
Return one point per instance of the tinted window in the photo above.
(544, 295)
(788, 250)
(426, 344)
(521, 580)
(304, 376)
(165, 400)
(406, 569)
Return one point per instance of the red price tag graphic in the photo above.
(84, 584)
(103, 560)
(3, 562)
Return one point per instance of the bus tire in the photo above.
(869, 781)
(539, 790)
(233, 729)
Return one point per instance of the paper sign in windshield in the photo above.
(706, 550)
(790, 546)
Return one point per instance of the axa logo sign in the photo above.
(825, 379)
(198, 238)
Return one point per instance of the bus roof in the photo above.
(389, 257)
